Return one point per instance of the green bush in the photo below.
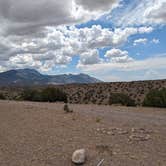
(120, 98)
(2, 97)
(156, 98)
(51, 94)
(31, 95)
(46, 95)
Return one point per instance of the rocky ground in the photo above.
(42, 134)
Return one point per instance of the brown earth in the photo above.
(41, 134)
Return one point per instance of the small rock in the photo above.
(110, 133)
(79, 156)
(114, 153)
(113, 128)
(137, 137)
(133, 130)
(133, 157)
(122, 132)
(141, 130)
(104, 132)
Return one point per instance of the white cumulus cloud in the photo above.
(118, 56)
(60, 44)
(155, 41)
(140, 41)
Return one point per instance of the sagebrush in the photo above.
(120, 98)
(2, 97)
(156, 98)
(48, 94)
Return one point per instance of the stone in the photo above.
(109, 133)
(133, 130)
(141, 130)
(79, 156)
(122, 132)
(114, 153)
(138, 137)
(104, 132)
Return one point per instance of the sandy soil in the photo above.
(41, 134)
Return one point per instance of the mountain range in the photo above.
(28, 77)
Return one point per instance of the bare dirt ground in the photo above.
(41, 134)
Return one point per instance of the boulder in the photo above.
(79, 156)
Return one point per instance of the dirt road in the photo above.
(41, 134)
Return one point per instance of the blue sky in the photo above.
(120, 40)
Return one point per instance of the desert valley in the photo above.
(42, 134)
(83, 83)
(107, 120)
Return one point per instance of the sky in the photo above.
(112, 40)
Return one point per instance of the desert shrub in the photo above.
(52, 94)
(120, 98)
(2, 97)
(155, 98)
(98, 120)
(31, 95)
(46, 95)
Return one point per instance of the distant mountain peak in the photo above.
(27, 70)
(28, 77)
